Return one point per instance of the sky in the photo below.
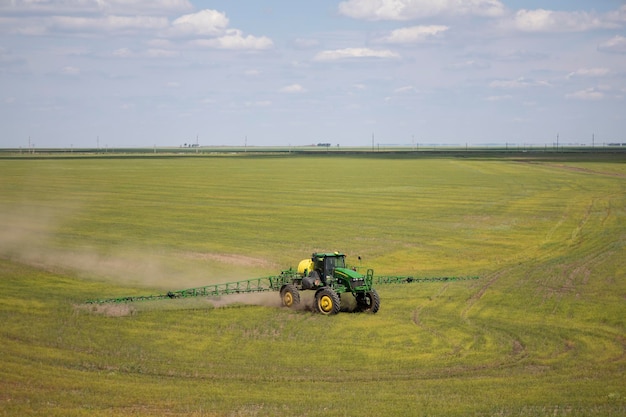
(136, 73)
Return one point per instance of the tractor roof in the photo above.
(328, 255)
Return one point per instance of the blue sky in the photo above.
(127, 73)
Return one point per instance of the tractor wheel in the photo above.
(290, 295)
(327, 301)
(369, 301)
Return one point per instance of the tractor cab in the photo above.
(325, 264)
(331, 267)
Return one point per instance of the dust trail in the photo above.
(272, 299)
(267, 299)
(27, 236)
(109, 310)
(30, 236)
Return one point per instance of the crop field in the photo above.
(542, 332)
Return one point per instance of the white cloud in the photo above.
(542, 20)
(499, 98)
(36, 26)
(413, 9)
(405, 89)
(589, 72)
(520, 55)
(6, 56)
(618, 15)
(520, 82)
(161, 53)
(586, 94)
(149, 53)
(208, 28)
(234, 39)
(107, 23)
(470, 64)
(293, 88)
(109, 6)
(20, 26)
(123, 53)
(260, 103)
(616, 44)
(160, 43)
(413, 34)
(303, 43)
(252, 72)
(336, 54)
(70, 70)
(203, 23)
(143, 6)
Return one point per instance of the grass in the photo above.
(542, 332)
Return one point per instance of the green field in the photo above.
(542, 332)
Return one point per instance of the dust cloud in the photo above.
(266, 299)
(269, 299)
(31, 236)
(109, 310)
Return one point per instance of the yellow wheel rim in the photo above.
(288, 299)
(326, 303)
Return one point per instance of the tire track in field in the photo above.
(418, 322)
(576, 169)
(490, 280)
(518, 349)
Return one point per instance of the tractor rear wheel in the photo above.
(290, 296)
(369, 301)
(327, 301)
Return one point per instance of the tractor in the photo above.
(325, 273)
(328, 276)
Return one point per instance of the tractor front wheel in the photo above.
(369, 301)
(289, 295)
(327, 301)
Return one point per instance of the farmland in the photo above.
(541, 332)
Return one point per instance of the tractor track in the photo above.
(492, 279)
(575, 169)
(416, 315)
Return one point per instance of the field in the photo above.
(542, 332)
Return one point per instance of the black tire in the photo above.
(327, 301)
(290, 296)
(369, 301)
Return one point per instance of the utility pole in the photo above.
(557, 142)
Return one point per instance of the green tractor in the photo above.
(328, 276)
